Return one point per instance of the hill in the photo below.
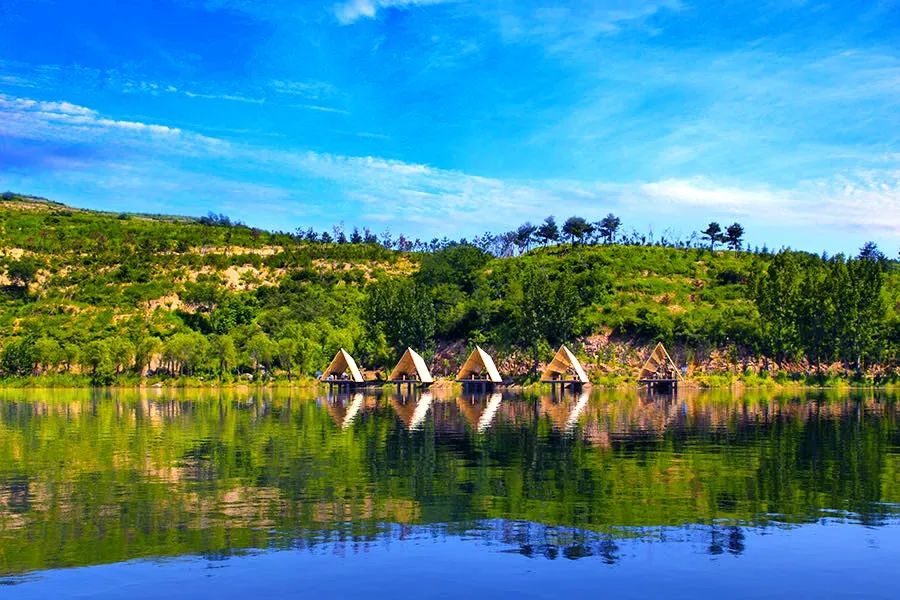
(104, 295)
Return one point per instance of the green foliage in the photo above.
(94, 295)
(403, 311)
(825, 309)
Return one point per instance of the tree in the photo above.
(544, 311)
(404, 312)
(713, 233)
(287, 350)
(22, 271)
(47, 353)
(97, 356)
(261, 351)
(146, 348)
(18, 357)
(734, 235)
(548, 232)
(224, 353)
(777, 295)
(609, 226)
(184, 352)
(870, 251)
(355, 236)
(524, 236)
(577, 228)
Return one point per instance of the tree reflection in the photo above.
(157, 473)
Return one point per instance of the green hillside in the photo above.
(96, 296)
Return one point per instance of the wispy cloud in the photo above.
(419, 196)
(353, 10)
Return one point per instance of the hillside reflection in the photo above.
(89, 477)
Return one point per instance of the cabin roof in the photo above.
(658, 358)
(343, 363)
(412, 365)
(564, 363)
(479, 363)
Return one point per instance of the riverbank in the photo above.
(705, 381)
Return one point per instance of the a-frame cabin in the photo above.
(660, 371)
(564, 369)
(343, 371)
(411, 369)
(479, 369)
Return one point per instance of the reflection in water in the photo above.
(89, 477)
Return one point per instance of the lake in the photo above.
(180, 494)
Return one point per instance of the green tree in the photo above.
(577, 229)
(777, 293)
(713, 233)
(544, 310)
(48, 353)
(145, 350)
(99, 359)
(548, 231)
(22, 271)
(609, 226)
(184, 352)
(404, 312)
(734, 235)
(261, 350)
(224, 353)
(18, 357)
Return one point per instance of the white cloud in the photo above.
(431, 200)
(353, 10)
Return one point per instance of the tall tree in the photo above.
(734, 236)
(577, 229)
(545, 311)
(548, 232)
(525, 236)
(609, 226)
(713, 233)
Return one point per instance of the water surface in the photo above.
(181, 494)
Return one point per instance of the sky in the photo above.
(452, 117)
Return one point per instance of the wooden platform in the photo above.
(409, 383)
(478, 384)
(659, 384)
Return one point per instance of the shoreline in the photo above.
(39, 383)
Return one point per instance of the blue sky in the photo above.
(434, 117)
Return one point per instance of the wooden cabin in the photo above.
(659, 371)
(411, 370)
(564, 369)
(343, 370)
(479, 368)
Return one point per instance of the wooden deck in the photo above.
(659, 383)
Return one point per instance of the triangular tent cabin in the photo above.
(411, 367)
(660, 367)
(479, 367)
(564, 367)
(342, 368)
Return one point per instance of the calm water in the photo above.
(168, 495)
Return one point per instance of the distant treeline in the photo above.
(574, 230)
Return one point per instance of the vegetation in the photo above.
(115, 297)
